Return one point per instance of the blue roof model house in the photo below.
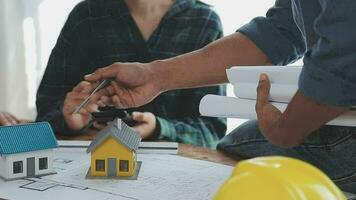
(26, 150)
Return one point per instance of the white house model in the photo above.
(26, 150)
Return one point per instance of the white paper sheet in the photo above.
(284, 81)
(277, 74)
(278, 93)
(220, 106)
(162, 177)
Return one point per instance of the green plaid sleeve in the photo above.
(200, 131)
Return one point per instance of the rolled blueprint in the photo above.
(284, 81)
(277, 74)
(231, 107)
(278, 92)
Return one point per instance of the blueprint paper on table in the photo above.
(221, 106)
(162, 177)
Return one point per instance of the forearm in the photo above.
(207, 66)
(302, 116)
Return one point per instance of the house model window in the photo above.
(100, 165)
(43, 163)
(18, 167)
(124, 165)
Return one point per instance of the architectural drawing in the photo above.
(161, 177)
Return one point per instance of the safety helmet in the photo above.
(278, 178)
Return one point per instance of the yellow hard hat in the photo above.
(278, 178)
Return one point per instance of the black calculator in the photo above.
(107, 114)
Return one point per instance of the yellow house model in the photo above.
(113, 152)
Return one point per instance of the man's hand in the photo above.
(134, 84)
(6, 119)
(302, 116)
(77, 121)
(146, 124)
(267, 114)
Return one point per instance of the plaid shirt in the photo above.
(100, 32)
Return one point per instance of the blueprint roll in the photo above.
(278, 92)
(231, 107)
(221, 106)
(284, 75)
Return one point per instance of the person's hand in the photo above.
(77, 121)
(6, 119)
(134, 84)
(146, 124)
(267, 114)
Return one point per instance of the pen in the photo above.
(103, 84)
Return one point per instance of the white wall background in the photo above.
(28, 32)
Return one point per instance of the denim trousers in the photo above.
(330, 148)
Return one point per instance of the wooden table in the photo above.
(183, 150)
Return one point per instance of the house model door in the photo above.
(31, 167)
(112, 169)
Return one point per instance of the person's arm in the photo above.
(274, 39)
(183, 123)
(207, 66)
(199, 68)
(194, 130)
(327, 82)
(302, 116)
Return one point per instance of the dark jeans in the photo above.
(331, 148)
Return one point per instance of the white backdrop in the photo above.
(29, 29)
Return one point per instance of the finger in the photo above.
(138, 116)
(262, 92)
(101, 104)
(92, 108)
(11, 118)
(119, 92)
(137, 129)
(83, 112)
(140, 130)
(99, 125)
(106, 100)
(84, 85)
(117, 102)
(77, 96)
(111, 88)
(101, 74)
(72, 101)
(3, 120)
(97, 96)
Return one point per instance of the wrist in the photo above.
(159, 75)
(156, 132)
